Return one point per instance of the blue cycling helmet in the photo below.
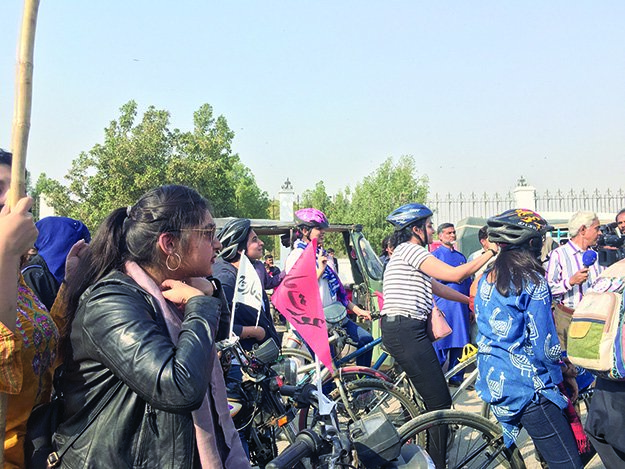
(407, 215)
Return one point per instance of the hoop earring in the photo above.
(179, 259)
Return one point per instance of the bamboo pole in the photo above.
(21, 128)
(23, 100)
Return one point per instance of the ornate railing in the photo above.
(455, 207)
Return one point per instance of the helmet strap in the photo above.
(418, 236)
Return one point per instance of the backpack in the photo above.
(595, 336)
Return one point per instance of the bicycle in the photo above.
(473, 441)
(401, 383)
(371, 442)
(358, 390)
(257, 408)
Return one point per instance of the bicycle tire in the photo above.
(473, 441)
(349, 374)
(367, 395)
(297, 353)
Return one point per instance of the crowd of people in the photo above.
(132, 318)
(523, 295)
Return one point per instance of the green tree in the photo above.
(388, 187)
(137, 156)
(317, 198)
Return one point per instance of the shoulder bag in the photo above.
(437, 325)
(43, 422)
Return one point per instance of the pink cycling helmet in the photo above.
(311, 218)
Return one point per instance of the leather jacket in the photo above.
(119, 333)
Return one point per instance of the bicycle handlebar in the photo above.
(305, 395)
(307, 443)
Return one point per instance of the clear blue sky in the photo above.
(478, 92)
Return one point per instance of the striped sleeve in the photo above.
(415, 255)
(555, 274)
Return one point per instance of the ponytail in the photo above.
(131, 234)
(297, 235)
(105, 253)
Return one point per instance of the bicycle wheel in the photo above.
(348, 374)
(302, 357)
(364, 396)
(472, 441)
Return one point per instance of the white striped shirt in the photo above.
(407, 290)
(564, 262)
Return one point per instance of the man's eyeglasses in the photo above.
(208, 232)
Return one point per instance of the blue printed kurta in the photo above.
(518, 352)
(457, 314)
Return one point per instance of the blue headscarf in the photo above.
(56, 237)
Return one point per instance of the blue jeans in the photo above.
(455, 354)
(362, 337)
(551, 433)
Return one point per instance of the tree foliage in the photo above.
(139, 155)
(317, 197)
(388, 187)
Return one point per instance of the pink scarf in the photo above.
(202, 417)
(583, 445)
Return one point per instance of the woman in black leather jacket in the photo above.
(141, 311)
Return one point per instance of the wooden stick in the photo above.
(21, 128)
(23, 101)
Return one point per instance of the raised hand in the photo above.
(579, 277)
(74, 256)
(17, 228)
(178, 292)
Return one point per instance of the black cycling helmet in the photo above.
(517, 227)
(407, 215)
(233, 237)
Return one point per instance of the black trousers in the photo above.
(407, 341)
(606, 422)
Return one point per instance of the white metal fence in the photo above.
(455, 207)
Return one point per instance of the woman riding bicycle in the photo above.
(408, 288)
(312, 224)
(519, 358)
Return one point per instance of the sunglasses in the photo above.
(208, 232)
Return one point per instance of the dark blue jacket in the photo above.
(244, 315)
